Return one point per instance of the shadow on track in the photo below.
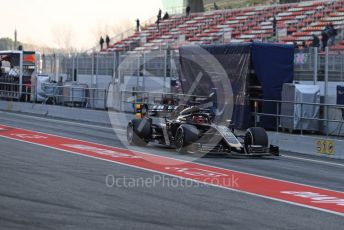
(235, 156)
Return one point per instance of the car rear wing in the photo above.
(168, 105)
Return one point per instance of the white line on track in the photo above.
(312, 160)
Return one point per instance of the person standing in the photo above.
(324, 39)
(101, 43)
(157, 23)
(315, 41)
(274, 25)
(333, 33)
(138, 25)
(159, 14)
(107, 40)
(188, 10)
(166, 16)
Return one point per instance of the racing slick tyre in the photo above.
(139, 132)
(185, 135)
(256, 136)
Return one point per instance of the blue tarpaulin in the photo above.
(273, 65)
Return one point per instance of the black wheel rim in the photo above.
(130, 134)
(179, 139)
(248, 141)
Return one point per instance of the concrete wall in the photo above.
(311, 145)
(80, 114)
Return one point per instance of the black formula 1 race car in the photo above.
(191, 129)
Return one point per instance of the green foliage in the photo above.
(7, 44)
(256, 2)
(232, 4)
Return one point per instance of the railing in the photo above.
(320, 118)
(318, 122)
(11, 90)
(312, 65)
(51, 93)
(155, 63)
(80, 64)
(75, 96)
(152, 98)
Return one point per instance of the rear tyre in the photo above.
(139, 132)
(256, 136)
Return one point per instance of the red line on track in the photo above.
(299, 194)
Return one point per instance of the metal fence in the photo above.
(326, 125)
(325, 121)
(73, 96)
(79, 64)
(310, 64)
(96, 98)
(154, 63)
(52, 93)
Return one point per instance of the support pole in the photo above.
(326, 89)
(315, 67)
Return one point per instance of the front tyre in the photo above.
(256, 136)
(180, 141)
(185, 136)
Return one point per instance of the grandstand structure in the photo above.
(296, 22)
(155, 51)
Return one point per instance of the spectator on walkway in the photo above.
(315, 41)
(157, 23)
(332, 34)
(166, 16)
(101, 43)
(107, 40)
(159, 15)
(188, 10)
(138, 25)
(324, 39)
(274, 25)
(215, 6)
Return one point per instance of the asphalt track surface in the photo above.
(42, 188)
